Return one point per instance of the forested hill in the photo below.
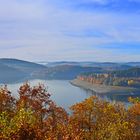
(69, 70)
(133, 72)
(66, 72)
(130, 77)
(22, 65)
(10, 74)
(12, 70)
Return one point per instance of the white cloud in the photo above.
(39, 29)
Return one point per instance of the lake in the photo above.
(63, 93)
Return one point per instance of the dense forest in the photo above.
(128, 78)
(34, 116)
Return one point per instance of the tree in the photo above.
(101, 120)
(33, 116)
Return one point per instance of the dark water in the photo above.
(64, 94)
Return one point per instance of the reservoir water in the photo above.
(64, 94)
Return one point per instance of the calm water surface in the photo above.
(62, 92)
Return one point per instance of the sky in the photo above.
(70, 30)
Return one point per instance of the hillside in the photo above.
(24, 66)
(133, 64)
(128, 78)
(12, 70)
(9, 74)
(65, 72)
(133, 72)
(103, 65)
(69, 70)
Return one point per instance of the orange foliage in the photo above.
(35, 117)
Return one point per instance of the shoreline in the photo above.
(103, 89)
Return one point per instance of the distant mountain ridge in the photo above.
(22, 65)
(66, 72)
(92, 64)
(15, 70)
(134, 64)
(133, 72)
(69, 70)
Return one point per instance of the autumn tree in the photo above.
(101, 120)
(34, 116)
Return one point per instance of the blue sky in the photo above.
(70, 30)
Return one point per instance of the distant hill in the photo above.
(127, 78)
(66, 72)
(133, 64)
(133, 72)
(69, 70)
(105, 65)
(24, 66)
(12, 70)
(9, 74)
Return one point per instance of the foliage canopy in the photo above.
(34, 116)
